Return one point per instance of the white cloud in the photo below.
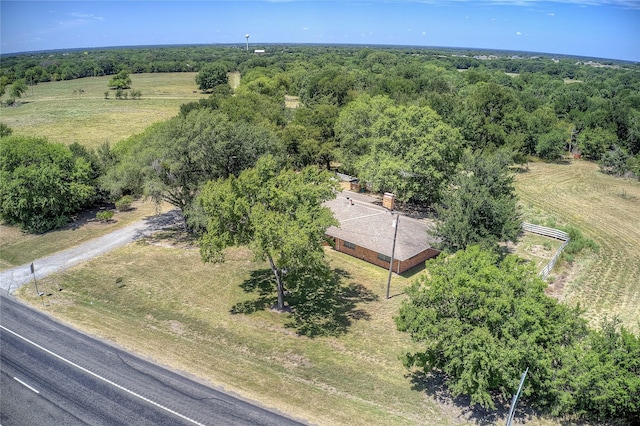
(518, 33)
(80, 19)
(86, 16)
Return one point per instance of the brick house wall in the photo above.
(417, 259)
(374, 257)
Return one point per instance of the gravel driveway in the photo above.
(12, 279)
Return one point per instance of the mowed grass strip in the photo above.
(607, 210)
(164, 303)
(77, 111)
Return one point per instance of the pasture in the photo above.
(607, 210)
(77, 111)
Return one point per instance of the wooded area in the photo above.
(441, 129)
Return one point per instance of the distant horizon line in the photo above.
(242, 45)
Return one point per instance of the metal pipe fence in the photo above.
(548, 232)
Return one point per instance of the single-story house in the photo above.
(366, 231)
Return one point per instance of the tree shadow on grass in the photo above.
(261, 282)
(434, 384)
(321, 303)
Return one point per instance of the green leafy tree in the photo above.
(277, 213)
(41, 183)
(4, 82)
(615, 161)
(479, 206)
(595, 142)
(490, 115)
(310, 137)
(407, 150)
(18, 88)
(354, 126)
(172, 160)
(603, 381)
(551, 145)
(482, 320)
(120, 80)
(211, 76)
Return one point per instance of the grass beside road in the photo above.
(171, 307)
(76, 110)
(607, 210)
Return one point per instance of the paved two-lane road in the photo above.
(51, 374)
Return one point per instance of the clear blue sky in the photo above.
(597, 28)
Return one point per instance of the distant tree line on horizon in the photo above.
(439, 131)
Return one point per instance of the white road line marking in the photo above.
(102, 378)
(24, 384)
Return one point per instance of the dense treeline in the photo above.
(530, 105)
(437, 128)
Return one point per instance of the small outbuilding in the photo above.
(366, 231)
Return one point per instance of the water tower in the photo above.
(247, 37)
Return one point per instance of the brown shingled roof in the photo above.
(370, 226)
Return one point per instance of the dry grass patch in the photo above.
(606, 209)
(537, 249)
(164, 303)
(292, 102)
(234, 79)
(76, 110)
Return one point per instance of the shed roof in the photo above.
(370, 226)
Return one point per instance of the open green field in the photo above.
(607, 210)
(76, 110)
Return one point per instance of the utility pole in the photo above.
(514, 401)
(395, 224)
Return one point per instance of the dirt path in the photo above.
(12, 279)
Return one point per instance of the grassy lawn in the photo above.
(605, 209)
(176, 310)
(172, 308)
(76, 110)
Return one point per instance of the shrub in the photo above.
(577, 243)
(104, 216)
(5, 130)
(124, 203)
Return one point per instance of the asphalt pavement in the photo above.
(51, 374)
